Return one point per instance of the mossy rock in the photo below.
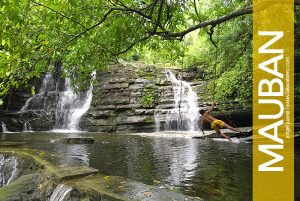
(11, 144)
(149, 98)
(23, 188)
(25, 164)
(149, 120)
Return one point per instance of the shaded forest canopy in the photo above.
(86, 35)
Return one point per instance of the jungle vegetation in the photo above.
(86, 35)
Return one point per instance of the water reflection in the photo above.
(179, 155)
(213, 170)
(72, 154)
(205, 168)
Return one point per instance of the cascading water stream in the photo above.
(61, 193)
(184, 115)
(48, 84)
(67, 107)
(8, 169)
(25, 107)
(37, 102)
(4, 129)
(72, 106)
(27, 127)
(157, 121)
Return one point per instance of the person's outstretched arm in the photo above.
(211, 108)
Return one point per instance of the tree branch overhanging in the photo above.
(168, 35)
(211, 32)
(59, 13)
(130, 46)
(225, 18)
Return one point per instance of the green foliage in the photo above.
(231, 69)
(145, 72)
(157, 51)
(111, 118)
(149, 97)
(83, 36)
(228, 67)
(33, 90)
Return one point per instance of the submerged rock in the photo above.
(122, 189)
(78, 140)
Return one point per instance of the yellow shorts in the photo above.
(217, 124)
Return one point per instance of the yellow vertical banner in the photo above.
(273, 100)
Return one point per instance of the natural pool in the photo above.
(213, 170)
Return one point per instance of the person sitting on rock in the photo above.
(215, 124)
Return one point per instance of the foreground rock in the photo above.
(42, 180)
(25, 188)
(119, 188)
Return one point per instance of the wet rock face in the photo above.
(39, 111)
(126, 96)
(12, 167)
(124, 100)
(21, 178)
(8, 169)
(33, 186)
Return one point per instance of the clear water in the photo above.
(213, 170)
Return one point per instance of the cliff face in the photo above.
(126, 98)
(13, 102)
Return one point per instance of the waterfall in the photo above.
(67, 107)
(157, 122)
(38, 101)
(4, 129)
(27, 127)
(25, 107)
(61, 193)
(48, 84)
(72, 106)
(184, 115)
(8, 169)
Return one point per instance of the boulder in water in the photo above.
(78, 140)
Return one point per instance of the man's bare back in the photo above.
(215, 123)
(208, 118)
